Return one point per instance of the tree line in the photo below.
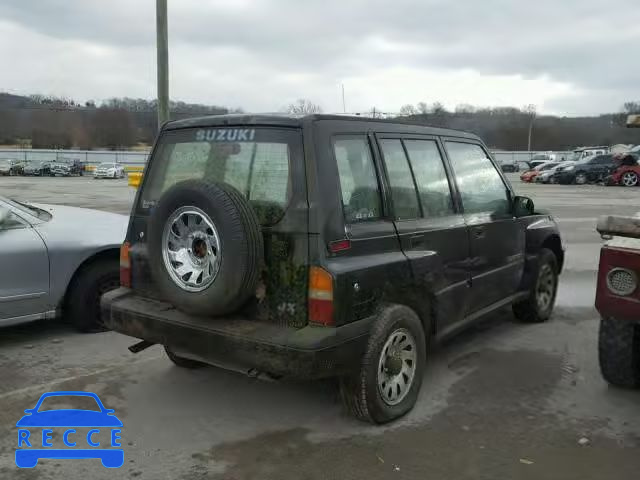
(119, 123)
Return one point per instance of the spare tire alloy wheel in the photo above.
(629, 179)
(191, 249)
(205, 247)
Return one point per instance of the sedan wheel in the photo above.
(581, 178)
(629, 179)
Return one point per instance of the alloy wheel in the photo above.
(191, 249)
(629, 179)
(545, 288)
(397, 366)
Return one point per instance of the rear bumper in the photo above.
(309, 352)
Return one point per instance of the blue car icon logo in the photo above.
(36, 432)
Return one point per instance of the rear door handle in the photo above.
(416, 241)
(478, 232)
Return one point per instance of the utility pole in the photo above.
(162, 45)
(531, 110)
(344, 105)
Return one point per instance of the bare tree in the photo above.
(303, 107)
(408, 110)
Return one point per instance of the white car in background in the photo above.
(109, 170)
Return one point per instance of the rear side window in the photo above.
(403, 192)
(480, 184)
(358, 179)
(431, 177)
(253, 160)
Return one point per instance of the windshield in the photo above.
(543, 166)
(257, 165)
(107, 165)
(5, 163)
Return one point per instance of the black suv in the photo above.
(321, 246)
(590, 169)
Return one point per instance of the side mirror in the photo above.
(522, 206)
(4, 214)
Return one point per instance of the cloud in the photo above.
(573, 57)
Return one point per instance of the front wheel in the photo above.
(581, 178)
(629, 179)
(390, 375)
(619, 352)
(537, 307)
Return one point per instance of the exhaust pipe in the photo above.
(140, 346)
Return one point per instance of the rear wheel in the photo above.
(629, 179)
(538, 306)
(619, 352)
(390, 375)
(87, 287)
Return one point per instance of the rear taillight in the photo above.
(125, 265)
(320, 297)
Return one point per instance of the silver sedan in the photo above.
(56, 259)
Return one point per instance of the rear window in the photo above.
(253, 160)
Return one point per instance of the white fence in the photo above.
(90, 157)
(94, 157)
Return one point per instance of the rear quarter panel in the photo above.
(72, 237)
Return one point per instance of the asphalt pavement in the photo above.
(502, 401)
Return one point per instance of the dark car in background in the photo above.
(67, 168)
(37, 168)
(588, 170)
(11, 167)
(510, 167)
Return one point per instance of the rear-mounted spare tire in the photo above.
(205, 247)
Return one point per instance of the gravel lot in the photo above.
(502, 401)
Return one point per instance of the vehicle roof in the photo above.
(293, 120)
(582, 149)
(591, 157)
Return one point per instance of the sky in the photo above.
(567, 57)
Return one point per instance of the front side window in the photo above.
(481, 187)
(403, 192)
(253, 160)
(431, 178)
(358, 179)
